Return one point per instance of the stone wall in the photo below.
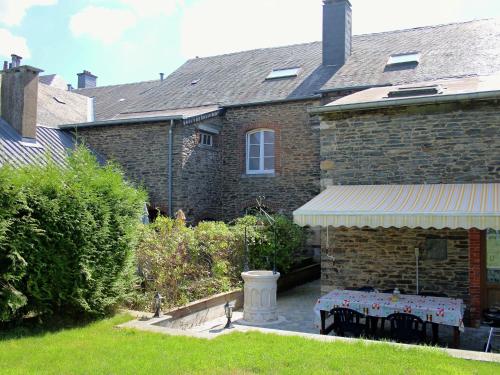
(442, 143)
(197, 174)
(140, 149)
(385, 258)
(296, 178)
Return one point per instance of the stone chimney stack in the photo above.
(86, 80)
(337, 32)
(19, 97)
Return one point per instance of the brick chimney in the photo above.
(86, 79)
(337, 32)
(19, 97)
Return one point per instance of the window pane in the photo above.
(254, 151)
(269, 163)
(255, 138)
(493, 256)
(253, 164)
(269, 150)
(268, 137)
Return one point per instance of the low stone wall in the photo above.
(385, 258)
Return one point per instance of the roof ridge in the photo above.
(426, 27)
(115, 85)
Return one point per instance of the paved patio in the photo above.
(296, 315)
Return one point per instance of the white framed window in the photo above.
(260, 151)
(206, 139)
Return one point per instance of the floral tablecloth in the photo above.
(448, 311)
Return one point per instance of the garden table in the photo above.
(438, 310)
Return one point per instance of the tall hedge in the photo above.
(66, 237)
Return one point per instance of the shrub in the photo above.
(67, 235)
(184, 263)
(263, 236)
(188, 263)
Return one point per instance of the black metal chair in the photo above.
(434, 326)
(433, 294)
(407, 328)
(348, 322)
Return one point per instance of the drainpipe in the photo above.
(170, 158)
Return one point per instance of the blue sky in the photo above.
(133, 40)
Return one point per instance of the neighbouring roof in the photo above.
(54, 80)
(109, 101)
(452, 50)
(446, 90)
(49, 142)
(57, 107)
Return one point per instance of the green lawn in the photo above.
(99, 348)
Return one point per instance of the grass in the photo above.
(100, 348)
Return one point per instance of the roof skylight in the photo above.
(404, 58)
(404, 92)
(283, 73)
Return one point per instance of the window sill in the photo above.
(258, 175)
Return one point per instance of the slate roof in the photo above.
(109, 101)
(452, 50)
(49, 141)
(57, 107)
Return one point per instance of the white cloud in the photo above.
(219, 26)
(103, 24)
(148, 8)
(10, 43)
(12, 12)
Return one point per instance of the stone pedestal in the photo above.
(260, 297)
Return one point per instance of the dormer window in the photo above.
(404, 58)
(283, 73)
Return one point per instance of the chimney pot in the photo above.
(16, 60)
(5, 65)
(161, 76)
(70, 87)
(337, 32)
(86, 79)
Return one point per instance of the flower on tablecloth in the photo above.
(346, 303)
(407, 309)
(440, 312)
(376, 306)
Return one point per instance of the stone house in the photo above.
(198, 138)
(411, 179)
(221, 131)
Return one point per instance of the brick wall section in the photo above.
(475, 275)
(140, 149)
(296, 178)
(443, 143)
(197, 174)
(385, 258)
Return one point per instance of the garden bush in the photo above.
(185, 263)
(188, 263)
(67, 237)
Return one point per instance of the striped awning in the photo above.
(424, 206)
